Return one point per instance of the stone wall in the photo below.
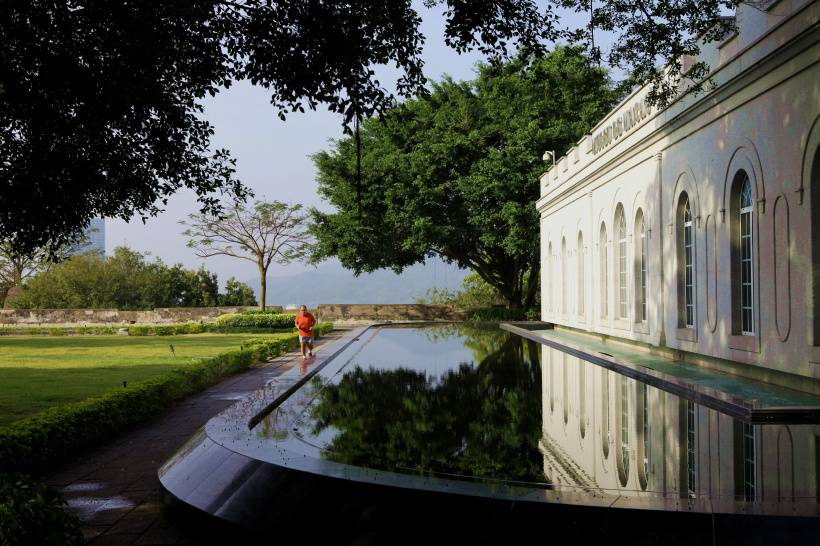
(358, 314)
(89, 317)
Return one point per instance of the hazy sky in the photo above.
(272, 158)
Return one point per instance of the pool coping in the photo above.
(722, 401)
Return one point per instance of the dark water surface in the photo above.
(467, 402)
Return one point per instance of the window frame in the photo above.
(686, 252)
(640, 269)
(604, 272)
(621, 268)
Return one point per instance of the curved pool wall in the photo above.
(254, 471)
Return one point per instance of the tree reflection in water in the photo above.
(480, 420)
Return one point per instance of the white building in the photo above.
(694, 230)
(617, 438)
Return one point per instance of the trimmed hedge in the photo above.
(57, 330)
(34, 444)
(139, 329)
(236, 320)
(33, 513)
(270, 310)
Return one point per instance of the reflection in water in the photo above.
(677, 447)
(480, 419)
(485, 403)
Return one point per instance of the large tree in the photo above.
(17, 267)
(100, 101)
(266, 233)
(455, 173)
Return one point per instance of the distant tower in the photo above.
(94, 238)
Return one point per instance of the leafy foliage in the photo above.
(475, 293)
(17, 267)
(124, 280)
(237, 320)
(237, 294)
(148, 329)
(100, 113)
(455, 173)
(100, 102)
(33, 513)
(272, 310)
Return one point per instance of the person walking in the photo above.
(305, 322)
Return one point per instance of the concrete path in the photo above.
(114, 488)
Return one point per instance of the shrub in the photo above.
(57, 330)
(33, 513)
(495, 314)
(249, 324)
(167, 329)
(237, 320)
(36, 443)
(272, 310)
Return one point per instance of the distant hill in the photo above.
(340, 286)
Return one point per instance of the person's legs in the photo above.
(302, 344)
(310, 346)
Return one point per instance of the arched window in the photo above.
(742, 231)
(621, 278)
(550, 278)
(565, 394)
(691, 454)
(623, 431)
(605, 433)
(814, 195)
(552, 379)
(640, 267)
(581, 279)
(582, 401)
(686, 264)
(749, 462)
(603, 275)
(643, 430)
(564, 284)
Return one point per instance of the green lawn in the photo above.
(37, 373)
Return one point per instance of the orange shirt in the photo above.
(305, 324)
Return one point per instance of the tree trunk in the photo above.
(263, 285)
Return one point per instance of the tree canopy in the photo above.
(100, 102)
(126, 280)
(268, 232)
(455, 173)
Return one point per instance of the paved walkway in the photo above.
(114, 488)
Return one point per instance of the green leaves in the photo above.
(33, 513)
(125, 280)
(455, 173)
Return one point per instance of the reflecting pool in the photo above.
(482, 404)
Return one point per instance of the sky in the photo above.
(272, 158)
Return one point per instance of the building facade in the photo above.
(609, 434)
(94, 238)
(695, 228)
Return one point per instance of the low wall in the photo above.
(364, 313)
(90, 317)
(339, 314)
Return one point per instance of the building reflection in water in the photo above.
(614, 435)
